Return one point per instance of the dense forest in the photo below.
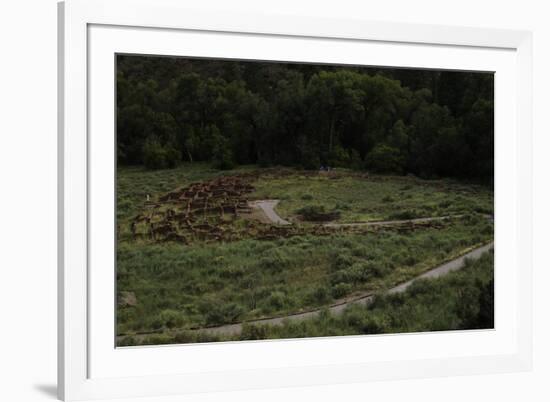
(424, 122)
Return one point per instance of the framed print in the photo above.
(252, 201)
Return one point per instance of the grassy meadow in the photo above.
(178, 287)
(459, 300)
(358, 199)
(354, 197)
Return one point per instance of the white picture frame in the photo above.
(91, 32)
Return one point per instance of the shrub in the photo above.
(276, 300)
(403, 215)
(360, 272)
(317, 213)
(483, 210)
(193, 337)
(216, 313)
(320, 295)
(171, 318)
(232, 272)
(252, 332)
(486, 315)
(274, 260)
(378, 269)
(487, 229)
(343, 206)
(374, 325)
(184, 337)
(421, 286)
(354, 316)
(340, 261)
(467, 307)
(411, 259)
(357, 273)
(157, 339)
(128, 341)
(340, 290)
(232, 311)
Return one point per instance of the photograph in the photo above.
(262, 200)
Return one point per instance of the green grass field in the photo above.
(358, 199)
(458, 301)
(179, 286)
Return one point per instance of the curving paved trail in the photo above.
(338, 308)
(364, 299)
(268, 208)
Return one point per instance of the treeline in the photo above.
(429, 123)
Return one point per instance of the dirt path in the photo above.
(364, 299)
(390, 223)
(268, 208)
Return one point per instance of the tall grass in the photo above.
(352, 198)
(460, 300)
(210, 284)
(179, 287)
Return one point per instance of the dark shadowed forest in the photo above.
(427, 123)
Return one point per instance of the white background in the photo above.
(28, 200)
